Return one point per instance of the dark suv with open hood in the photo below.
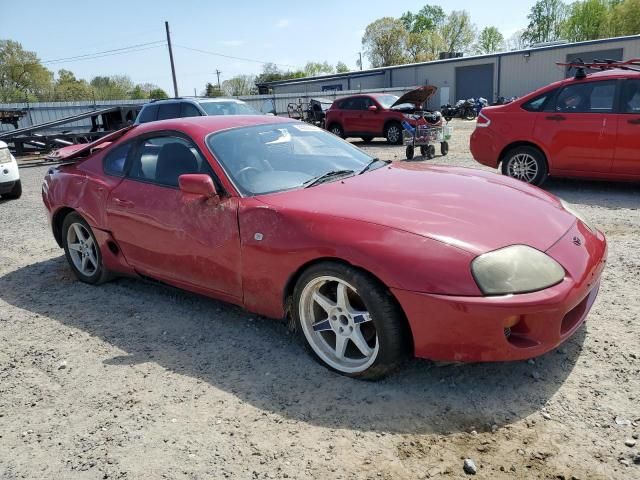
(376, 114)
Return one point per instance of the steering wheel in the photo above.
(244, 171)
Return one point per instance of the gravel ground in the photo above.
(133, 381)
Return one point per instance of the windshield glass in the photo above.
(386, 100)
(281, 156)
(228, 108)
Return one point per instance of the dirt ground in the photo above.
(134, 381)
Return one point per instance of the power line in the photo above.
(105, 53)
(232, 57)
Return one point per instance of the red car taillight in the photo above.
(483, 121)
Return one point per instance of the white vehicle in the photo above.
(10, 186)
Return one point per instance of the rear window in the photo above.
(148, 114)
(538, 103)
(169, 110)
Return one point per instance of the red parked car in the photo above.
(376, 115)
(372, 261)
(587, 126)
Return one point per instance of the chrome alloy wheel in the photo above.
(337, 325)
(393, 134)
(82, 249)
(523, 167)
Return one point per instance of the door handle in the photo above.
(123, 203)
(557, 118)
(634, 121)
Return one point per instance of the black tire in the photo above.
(386, 317)
(337, 130)
(410, 152)
(517, 155)
(100, 275)
(393, 133)
(15, 193)
(367, 139)
(444, 148)
(448, 118)
(431, 152)
(424, 150)
(470, 115)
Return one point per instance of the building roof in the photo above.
(381, 70)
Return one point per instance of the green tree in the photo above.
(212, 90)
(428, 18)
(624, 18)
(115, 87)
(311, 69)
(239, 85)
(490, 40)
(67, 87)
(157, 94)
(22, 75)
(587, 20)
(546, 21)
(424, 46)
(138, 93)
(341, 67)
(271, 73)
(457, 32)
(384, 42)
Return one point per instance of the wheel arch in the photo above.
(56, 223)
(287, 294)
(523, 143)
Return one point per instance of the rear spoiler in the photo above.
(82, 150)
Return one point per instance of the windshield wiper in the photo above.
(371, 164)
(326, 176)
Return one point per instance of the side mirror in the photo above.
(373, 108)
(197, 184)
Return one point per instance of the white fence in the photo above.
(37, 113)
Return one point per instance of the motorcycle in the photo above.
(465, 109)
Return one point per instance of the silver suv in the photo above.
(192, 107)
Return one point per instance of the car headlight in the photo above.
(578, 215)
(5, 155)
(515, 269)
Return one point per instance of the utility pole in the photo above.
(218, 72)
(360, 53)
(173, 67)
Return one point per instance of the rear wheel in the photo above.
(444, 148)
(410, 152)
(393, 133)
(337, 130)
(526, 164)
(16, 191)
(82, 250)
(349, 321)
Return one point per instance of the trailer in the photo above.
(36, 139)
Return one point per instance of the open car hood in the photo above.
(417, 96)
(81, 150)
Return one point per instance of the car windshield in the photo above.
(232, 107)
(282, 156)
(387, 100)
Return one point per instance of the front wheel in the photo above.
(16, 191)
(410, 152)
(82, 250)
(444, 148)
(337, 130)
(393, 133)
(349, 321)
(526, 164)
(470, 115)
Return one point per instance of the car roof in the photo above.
(207, 124)
(193, 100)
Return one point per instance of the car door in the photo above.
(368, 121)
(627, 154)
(170, 236)
(351, 114)
(578, 129)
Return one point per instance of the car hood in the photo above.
(417, 96)
(469, 209)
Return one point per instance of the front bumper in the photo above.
(510, 327)
(9, 175)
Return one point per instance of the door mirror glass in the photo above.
(373, 108)
(197, 184)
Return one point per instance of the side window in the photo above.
(115, 160)
(538, 104)
(148, 114)
(268, 107)
(169, 110)
(162, 160)
(189, 110)
(630, 98)
(359, 103)
(589, 97)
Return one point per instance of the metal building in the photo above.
(506, 74)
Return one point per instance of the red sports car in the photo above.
(372, 261)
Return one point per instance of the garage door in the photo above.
(475, 81)
(612, 54)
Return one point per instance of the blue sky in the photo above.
(286, 32)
